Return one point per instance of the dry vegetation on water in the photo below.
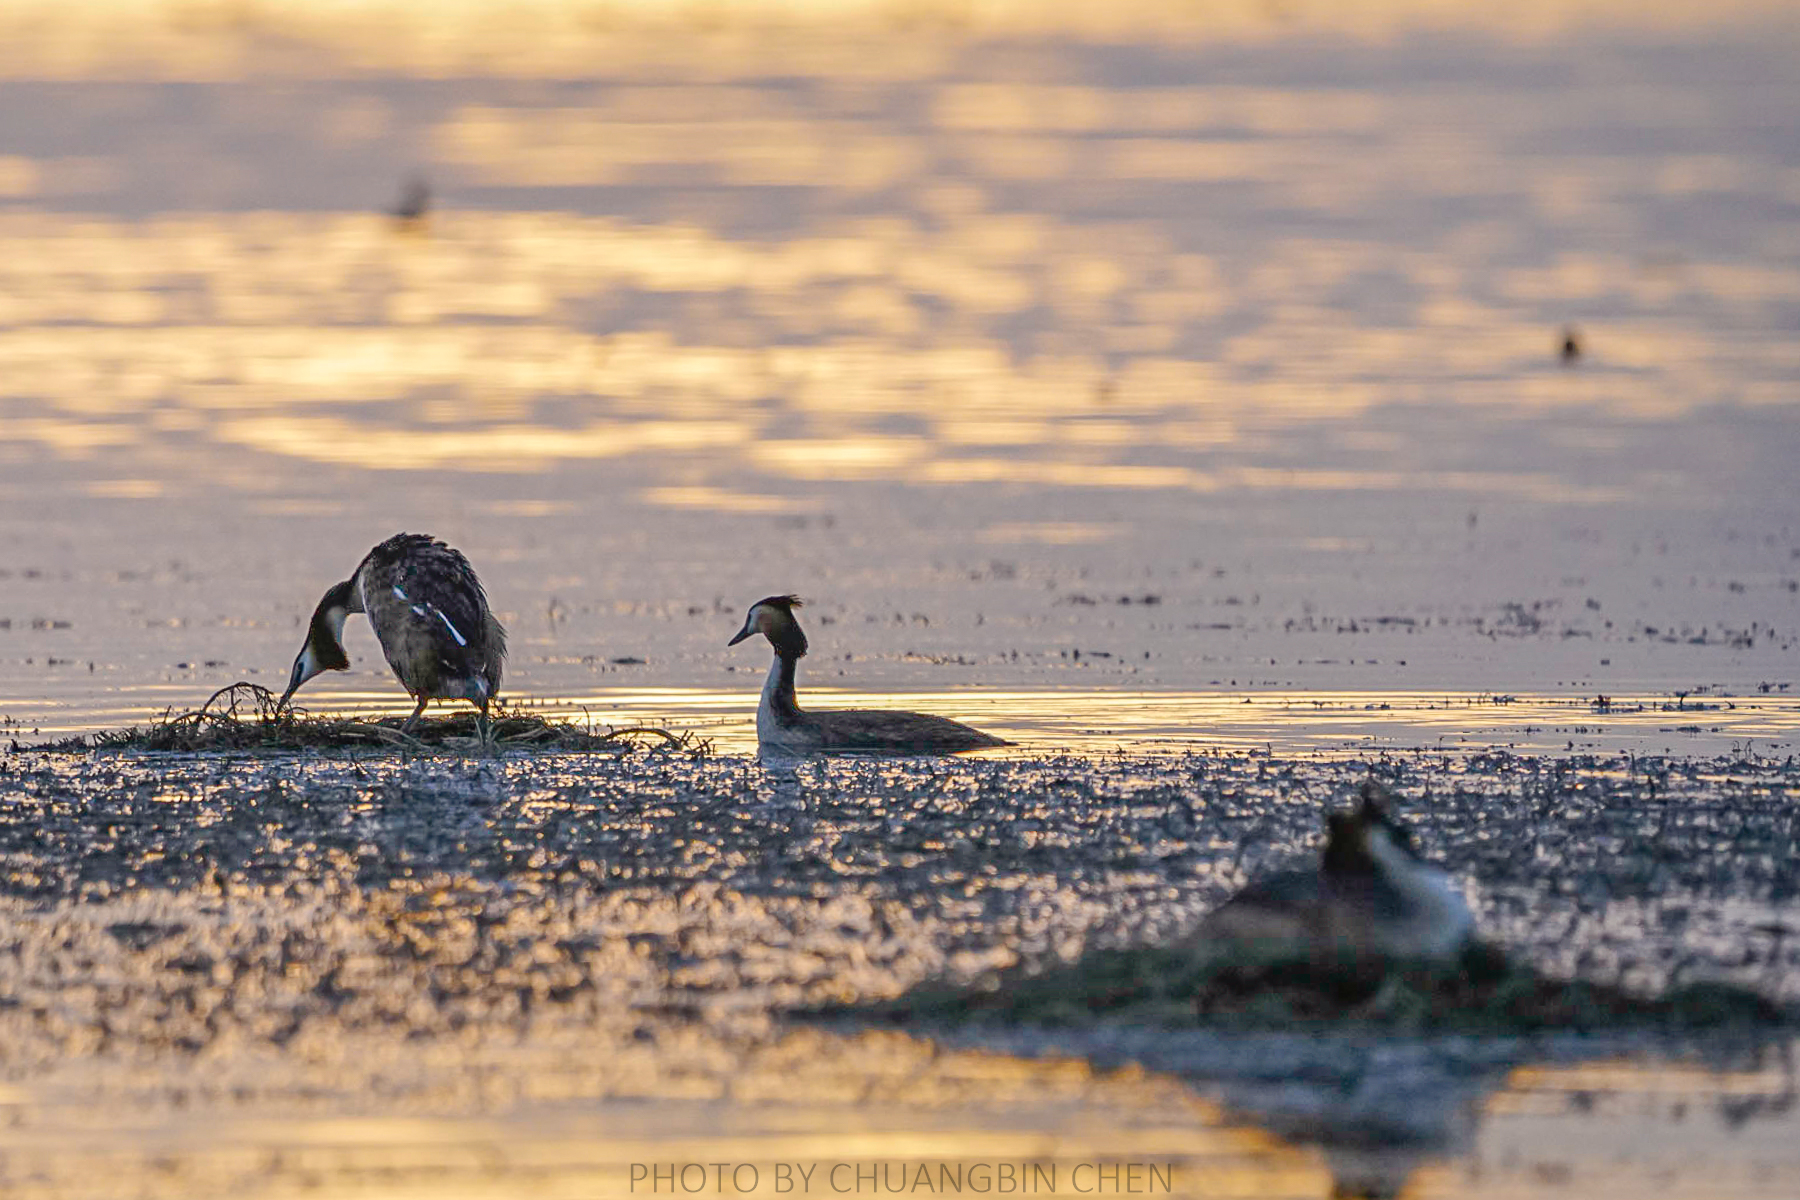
(245, 716)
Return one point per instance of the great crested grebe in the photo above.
(431, 616)
(781, 725)
(1371, 896)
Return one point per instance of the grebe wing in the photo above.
(897, 732)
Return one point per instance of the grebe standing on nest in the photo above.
(1371, 896)
(431, 616)
(781, 725)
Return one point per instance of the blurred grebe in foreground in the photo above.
(432, 619)
(781, 725)
(1371, 896)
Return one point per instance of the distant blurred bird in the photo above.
(414, 203)
(431, 616)
(1571, 346)
(1371, 895)
(782, 726)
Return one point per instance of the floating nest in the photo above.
(1177, 987)
(244, 717)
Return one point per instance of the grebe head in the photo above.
(1359, 842)
(324, 648)
(1383, 895)
(773, 617)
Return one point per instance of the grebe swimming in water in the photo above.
(781, 724)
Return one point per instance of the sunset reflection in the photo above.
(500, 317)
(1018, 342)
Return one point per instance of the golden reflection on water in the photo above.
(930, 318)
(1319, 722)
(276, 370)
(880, 1102)
(1062, 721)
(189, 39)
(1629, 1129)
(495, 448)
(589, 148)
(1540, 1088)
(888, 1103)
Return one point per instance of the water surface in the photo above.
(1113, 378)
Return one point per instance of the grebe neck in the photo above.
(778, 690)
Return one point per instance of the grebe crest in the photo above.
(783, 727)
(773, 617)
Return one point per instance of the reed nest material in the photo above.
(244, 717)
(1175, 988)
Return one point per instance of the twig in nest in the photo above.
(265, 701)
(672, 739)
(395, 737)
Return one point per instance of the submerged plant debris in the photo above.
(1175, 986)
(246, 716)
